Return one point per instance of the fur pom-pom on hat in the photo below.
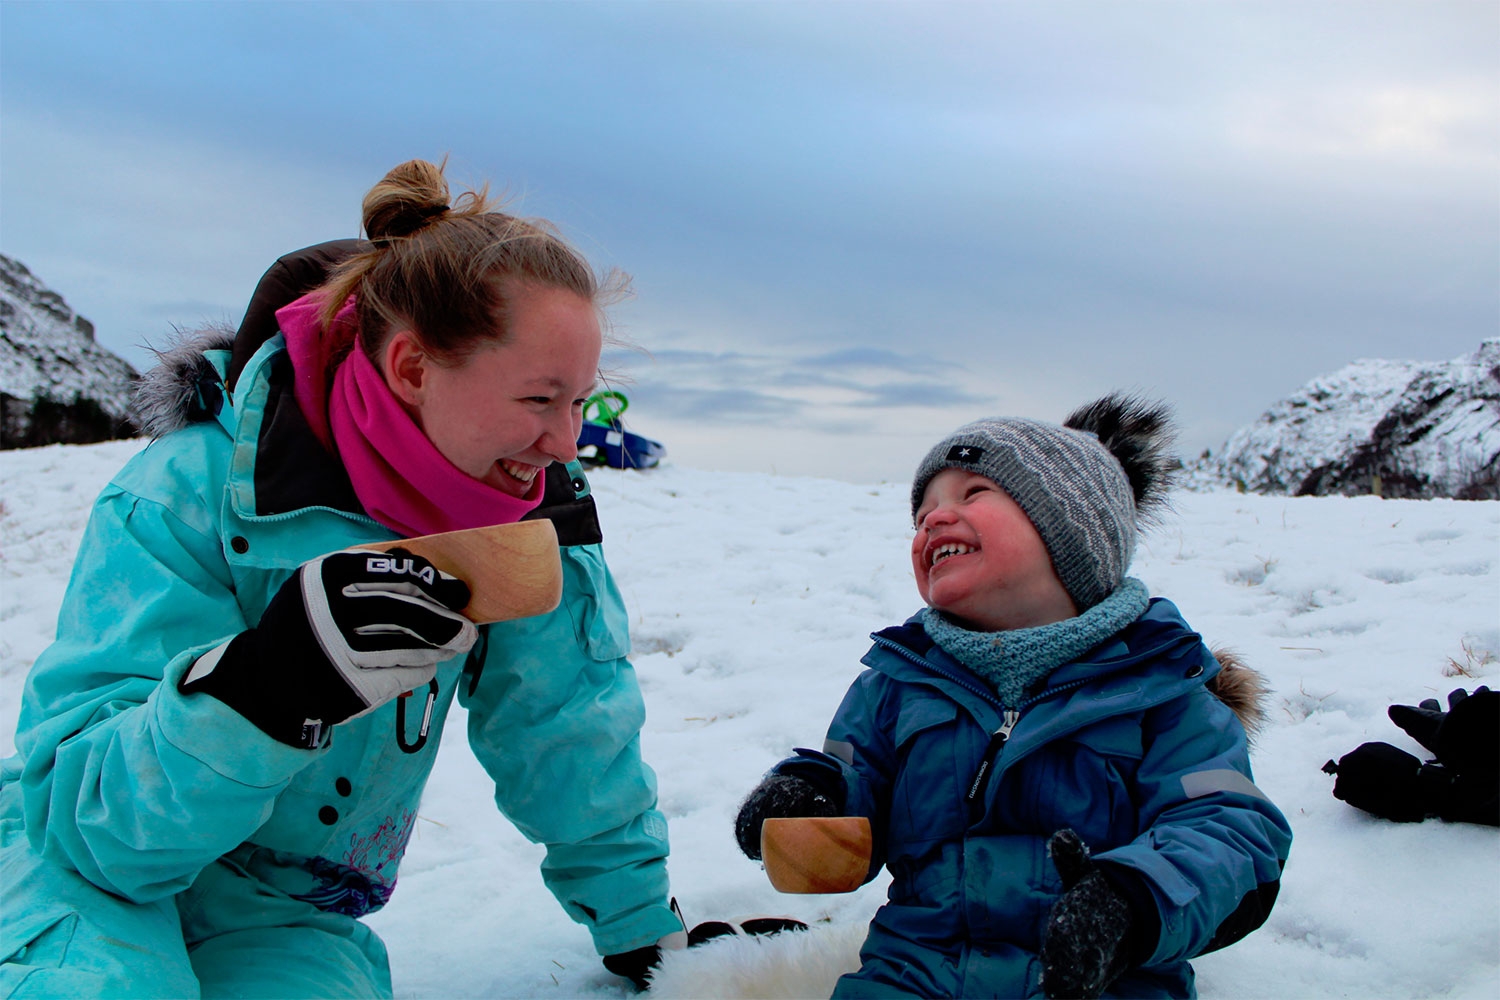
(1138, 433)
(1088, 485)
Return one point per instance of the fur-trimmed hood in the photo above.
(1243, 688)
(184, 387)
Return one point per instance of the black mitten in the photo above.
(776, 796)
(1085, 947)
(345, 634)
(1381, 779)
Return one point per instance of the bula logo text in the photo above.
(400, 567)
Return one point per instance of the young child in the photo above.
(1063, 805)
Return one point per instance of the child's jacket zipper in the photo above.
(990, 762)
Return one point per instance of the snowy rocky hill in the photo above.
(1391, 428)
(57, 385)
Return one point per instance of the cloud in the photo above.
(1457, 124)
(825, 389)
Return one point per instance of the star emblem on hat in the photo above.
(965, 453)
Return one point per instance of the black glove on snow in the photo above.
(1466, 738)
(1381, 779)
(1462, 786)
(778, 795)
(345, 634)
(1085, 947)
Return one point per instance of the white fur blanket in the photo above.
(794, 965)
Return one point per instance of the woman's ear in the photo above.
(404, 364)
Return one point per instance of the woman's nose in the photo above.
(559, 440)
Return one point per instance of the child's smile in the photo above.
(949, 549)
(977, 557)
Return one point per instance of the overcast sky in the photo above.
(851, 226)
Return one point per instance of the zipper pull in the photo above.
(998, 739)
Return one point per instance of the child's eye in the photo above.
(976, 488)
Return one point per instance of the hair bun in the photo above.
(407, 199)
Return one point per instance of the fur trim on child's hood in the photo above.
(1243, 689)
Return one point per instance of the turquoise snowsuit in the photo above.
(158, 844)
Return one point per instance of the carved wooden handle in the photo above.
(513, 570)
(816, 853)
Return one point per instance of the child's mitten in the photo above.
(777, 796)
(1085, 945)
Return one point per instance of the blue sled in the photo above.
(618, 448)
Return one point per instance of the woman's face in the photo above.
(513, 408)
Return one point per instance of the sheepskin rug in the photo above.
(793, 965)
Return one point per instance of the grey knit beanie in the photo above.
(1085, 485)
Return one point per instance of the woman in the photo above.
(210, 784)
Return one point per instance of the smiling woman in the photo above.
(215, 767)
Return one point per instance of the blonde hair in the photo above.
(446, 271)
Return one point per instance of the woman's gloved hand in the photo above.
(1085, 945)
(345, 634)
(639, 965)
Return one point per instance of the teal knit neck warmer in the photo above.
(1013, 661)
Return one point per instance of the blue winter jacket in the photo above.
(1126, 746)
(139, 787)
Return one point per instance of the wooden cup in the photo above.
(513, 570)
(816, 853)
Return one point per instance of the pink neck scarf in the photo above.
(382, 448)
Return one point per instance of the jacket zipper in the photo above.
(1001, 736)
(992, 753)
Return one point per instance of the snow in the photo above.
(751, 598)
(1446, 428)
(47, 350)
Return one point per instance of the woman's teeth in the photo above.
(525, 473)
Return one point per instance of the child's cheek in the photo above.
(918, 570)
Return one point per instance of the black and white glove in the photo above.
(639, 965)
(1087, 939)
(344, 635)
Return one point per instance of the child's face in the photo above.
(977, 557)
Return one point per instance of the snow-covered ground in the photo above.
(751, 599)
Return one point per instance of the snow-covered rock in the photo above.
(1393, 428)
(57, 385)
